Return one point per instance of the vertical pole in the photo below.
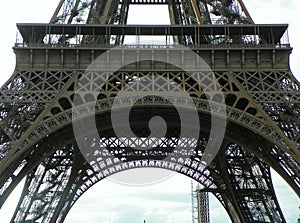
(193, 204)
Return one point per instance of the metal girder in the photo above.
(64, 118)
(44, 188)
(60, 113)
(180, 11)
(251, 185)
(62, 177)
(245, 187)
(221, 11)
(249, 62)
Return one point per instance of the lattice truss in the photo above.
(274, 90)
(26, 94)
(240, 109)
(116, 12)
(102, 12)
(37, 140)
(63, 177)
(249, 178)
(201, 209)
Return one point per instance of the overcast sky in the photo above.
(168, 201)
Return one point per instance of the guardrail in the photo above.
(151, 46)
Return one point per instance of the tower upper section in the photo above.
(181, 11)
(192, 23)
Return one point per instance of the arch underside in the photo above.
(57, 173)
(61, 174)
(246, 193)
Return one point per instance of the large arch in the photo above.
(60, 151)
(58, 173)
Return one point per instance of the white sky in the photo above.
(168, 201)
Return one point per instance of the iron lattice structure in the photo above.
(250, 62)
(203, 203)
(200, 205)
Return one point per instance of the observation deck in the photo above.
(241, 34)
(223, 47)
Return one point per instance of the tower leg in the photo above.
(249, 186)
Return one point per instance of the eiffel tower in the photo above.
(250, 88)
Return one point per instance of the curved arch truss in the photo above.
(244, 188)
(246, 85)
(60, 173)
